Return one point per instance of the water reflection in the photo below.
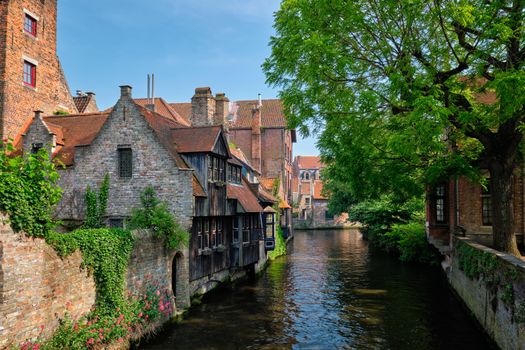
(330, 292)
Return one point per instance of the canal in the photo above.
(331, 292)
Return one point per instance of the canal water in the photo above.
(331, 292)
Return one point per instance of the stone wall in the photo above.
(151, 260)
(499, 320)
(51, 93)
(37, 287)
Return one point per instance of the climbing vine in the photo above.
(498, 276)
(96, 205)
(155, 215)
(280, 243)
(28, 190)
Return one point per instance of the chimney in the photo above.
(256, 138)
(202, 107)
(222, 104)
(38, 114)
(125, 91)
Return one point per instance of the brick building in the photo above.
(462, 207)
(259, 129)
(211, 192)
(31, 77)
(309, 201)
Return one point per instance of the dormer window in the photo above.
(234, 174)
(35, 147)
(30, 24)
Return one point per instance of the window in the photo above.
(440, 204)
(125, 162)
(307, 201)
(29, 74)
(246, 229)
(206, 229)
(35, 147)
(116, 222)
(235, 229)
(200, 233)
(220, 235)
(230, 173)
(216, 169)
(213, 227)
(30, 25)
(307, 176)
(486, 206)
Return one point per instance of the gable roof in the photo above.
(163, 108)
(183, 109)
(309, 162)
(196, 139)
(244, 196)
(74, 130)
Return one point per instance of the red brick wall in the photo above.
(51, 93)
(37, 287)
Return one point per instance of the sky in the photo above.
(186, 43)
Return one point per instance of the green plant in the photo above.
(96, 205)
(105, 252)
(410, 242)
(28, 190)
(155, 215)
(60, 112)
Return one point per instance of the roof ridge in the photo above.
(64, 116)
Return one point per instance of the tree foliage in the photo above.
(407, 92)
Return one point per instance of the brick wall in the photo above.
(18, 101)
(37, 287)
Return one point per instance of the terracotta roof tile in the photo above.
(183, 109)
(74, 130)
(245, 197)
(82, 102)
(195, 140)
(267, 183)
(306, 188)
(309, 162)
(198, 191)
(164, 108)
(271, 114)
(266, 196)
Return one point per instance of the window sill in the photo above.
(30, 87)
(29, 35)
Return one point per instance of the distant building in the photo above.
(259, 129)
(309, 202)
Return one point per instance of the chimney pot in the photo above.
(89, 93)
(125, 91)
(38, 113)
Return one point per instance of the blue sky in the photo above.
(186, 43)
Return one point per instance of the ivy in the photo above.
(28, 190)
(280, 243)
(96, 205)
(155, 215)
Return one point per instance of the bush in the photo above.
(155, 215)
(395, 228)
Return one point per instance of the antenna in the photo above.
(152, 89)
(148, 88)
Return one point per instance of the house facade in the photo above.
(309, 202)
(31, 77)
(191, 169)
(458, 206)
(259, 130)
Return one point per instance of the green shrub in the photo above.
(28, 190)
(410, 242)
(96, 205)
(155, 215)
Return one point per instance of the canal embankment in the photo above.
(492, 286)
(333, 290)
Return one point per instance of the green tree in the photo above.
(407, 91)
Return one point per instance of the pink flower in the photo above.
(140, 315)
(90, 341)
(75, 327)
(161, 308)
(42, 327)
(158, 292)
(120, 340)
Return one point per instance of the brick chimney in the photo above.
(125, 91)
(256, 138)
(202, 107)
(221, 109)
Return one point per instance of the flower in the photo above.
(90, 341)
(120, 340)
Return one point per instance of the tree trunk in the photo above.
(501, 189)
